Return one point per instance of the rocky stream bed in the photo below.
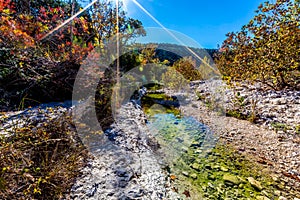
(165, 153)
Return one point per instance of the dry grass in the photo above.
(41, 163)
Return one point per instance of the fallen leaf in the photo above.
(173, 177)
(186, 193)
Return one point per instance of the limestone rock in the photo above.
(256, 184)
(231, 179)
(125, 166)
(262, 198)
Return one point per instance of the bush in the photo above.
(187, 68)
(174, 80)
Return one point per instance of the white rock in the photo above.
(282, 198)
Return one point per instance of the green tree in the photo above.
(103, 16)
(174, 80)
(267, 48)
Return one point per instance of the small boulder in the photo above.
(228, 178)
(195, 166)
(254, 183)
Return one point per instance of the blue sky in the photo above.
(206, 22)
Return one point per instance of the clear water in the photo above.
(177, 135)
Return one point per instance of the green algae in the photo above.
(200, 168)
(151, 108)
(223, 173)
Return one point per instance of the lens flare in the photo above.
(172, 35)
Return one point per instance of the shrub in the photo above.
(174, 80)
(187, 68)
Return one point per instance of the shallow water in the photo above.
(201, 166)
(178, 133)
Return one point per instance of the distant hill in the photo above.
(173, 52)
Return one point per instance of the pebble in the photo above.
(194, 176)
(277, 192)
(196, 166)
(224, 169)
(185, 173)
(262, 198)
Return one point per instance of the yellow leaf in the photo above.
(36, 190)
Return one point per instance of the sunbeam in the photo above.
(69, 20)
(171, 34)
(124, 2)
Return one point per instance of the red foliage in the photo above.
(5, 4)
(70, 40)
(24, 30)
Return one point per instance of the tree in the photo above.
(44, 68)
(103, 18)
(28, 64)
(267, 48)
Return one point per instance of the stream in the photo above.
(199, 166)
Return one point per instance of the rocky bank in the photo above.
(125, 166)
(274, 110)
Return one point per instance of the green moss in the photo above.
(158, 96)
(201, 170)
(213, 181)
(280, 126)
(151, 108)
(200, 96)
(236, 114)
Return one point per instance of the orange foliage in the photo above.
(11, 29)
